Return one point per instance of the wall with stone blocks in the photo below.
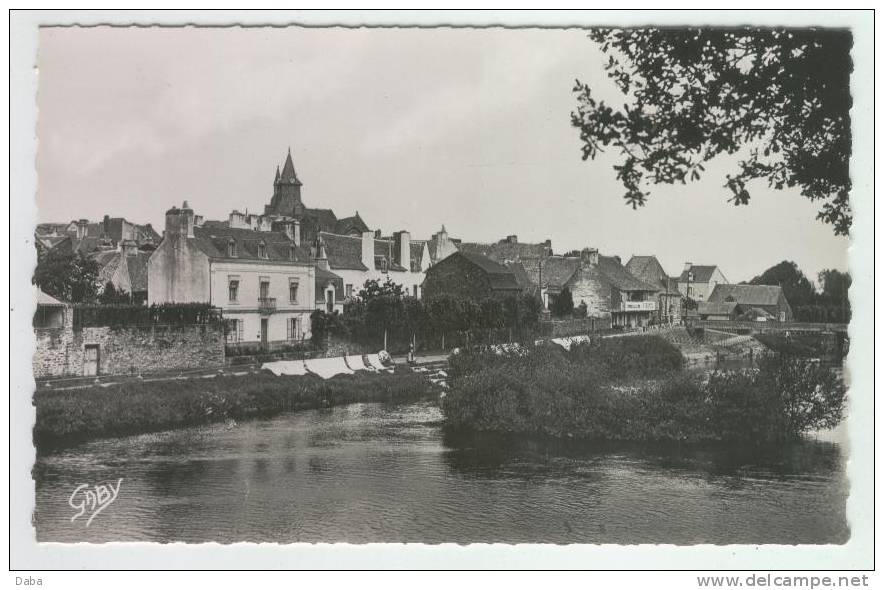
(129, 350)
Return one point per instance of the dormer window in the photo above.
(262, 249)
(293, 253)
(231, 248)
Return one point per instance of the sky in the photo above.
(412, 128)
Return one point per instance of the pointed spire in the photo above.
(276, 178)
(288, 170)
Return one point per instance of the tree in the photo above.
(69, 277)
(834, 293)
(796, 287)
(695, 93)
(111, 295)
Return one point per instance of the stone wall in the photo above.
(574, 327)
(130, 350)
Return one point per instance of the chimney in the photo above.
(290, 227)
(236, 220)
(128, 247)
(402, 248)
(82, 228)
(512, 239)
(368, 249)
(179, 222)
(197, 221)
(105, 226)
(617, 258)
(589, 256)
(688, 266)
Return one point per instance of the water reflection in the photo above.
(375, 473)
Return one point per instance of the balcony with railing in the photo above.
(638, 306)
(267, 304)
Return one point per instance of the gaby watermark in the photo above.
(94, 499)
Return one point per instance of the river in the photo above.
(378, 473)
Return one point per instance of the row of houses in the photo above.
(268, 272)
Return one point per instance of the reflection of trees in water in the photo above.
(479, 455)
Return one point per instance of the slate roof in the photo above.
(716, 308)
(384, 249)
(137, 266)
(127, 272)
(649, 270)
(747, 295)
(353, 224)
(505, 250)
(344, 252)
(702, 273)
(46, 299)
(325, 218)
(558, 271)
(323, 278)
(499, 276)
(417, 255)
(213, 242)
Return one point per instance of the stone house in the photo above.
(609, 291)
(669, 298)
(470, 275)
(698, 280)
(757, 301)
(264, 282)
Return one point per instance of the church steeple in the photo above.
(288, 171)
(286, 191)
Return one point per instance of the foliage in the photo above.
(384, 308)
(65, 417)
(796, 287)
(695, 93)
(831, 304)
(129, 314)
(69, 277)
(110, 295)
(541, 391)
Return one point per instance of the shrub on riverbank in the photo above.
(611, 358)
(580, 394)
(130, 408)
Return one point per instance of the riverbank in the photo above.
(634, 389)
(69, 417)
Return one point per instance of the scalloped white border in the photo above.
(27, 554)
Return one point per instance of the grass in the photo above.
(67, 417)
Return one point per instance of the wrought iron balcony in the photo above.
(267, 304)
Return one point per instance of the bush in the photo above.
(130, 314)
(540, 390)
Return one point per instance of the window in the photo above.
(231, 248)
(262, 249)
(233, 331)
(293, 290)
(349, 290)
(293, 253)
(294, 329)
(415, 291)
(264, 288)
(383, 265)
(233, 290)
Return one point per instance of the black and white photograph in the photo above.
(588, 285)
